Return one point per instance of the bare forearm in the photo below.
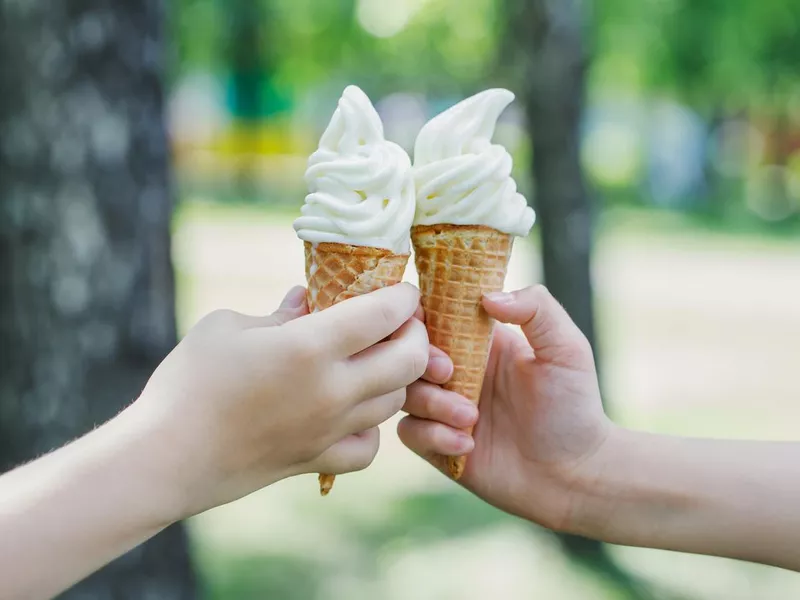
(79, 508)
(726, 498)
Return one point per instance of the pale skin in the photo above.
(545, 451)
(244, 401)
(241, 403)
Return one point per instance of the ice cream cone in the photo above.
(336, 272)
(457, 264)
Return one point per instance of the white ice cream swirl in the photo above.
(461, 177)
(361, 191)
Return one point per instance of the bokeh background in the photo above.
(151, 162)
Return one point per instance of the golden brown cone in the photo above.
(336, 272)
(457, 264)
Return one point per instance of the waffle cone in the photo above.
(336, 272)
(457, 264)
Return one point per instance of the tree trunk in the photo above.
(549, 39)
(86, 283)
(546, 42)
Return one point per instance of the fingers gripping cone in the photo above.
(336, 272)
(457, 264)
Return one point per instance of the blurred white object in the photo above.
(197, 110)
(403, 115)
(386, 19)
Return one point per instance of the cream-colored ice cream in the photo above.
(361, 191)
(461, 177)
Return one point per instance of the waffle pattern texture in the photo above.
(336, 272)
(457, 264)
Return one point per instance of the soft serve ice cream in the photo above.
(361, 191)
(357, 215)
(468, 214)
(461, 177)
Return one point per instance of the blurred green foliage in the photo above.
(726, 69)
(313, 41)
(229, 576)
(713, 54)
(735, 52)
(692, 104)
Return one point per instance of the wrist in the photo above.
(600, 484)
(636, 491)
(145, 451)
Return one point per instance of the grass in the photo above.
(695, 230)
(228, 576)
(209, 212)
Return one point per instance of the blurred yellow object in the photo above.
(266, 137)
(261, 138)
(272, 149)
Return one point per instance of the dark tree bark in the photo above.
(549, 40)
(548, 36)
(546, 43)
(86, 283)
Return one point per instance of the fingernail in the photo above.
(294, 298)
(500, 297)
(465, 415)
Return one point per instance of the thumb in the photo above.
(550, 331)
(291, 307)
(295, 298)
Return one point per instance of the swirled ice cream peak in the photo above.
(463, 178)
(361, 191)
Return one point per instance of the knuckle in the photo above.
(427, 402)
(306, 349)
(365, 458)
(540, 288)
(415, 390)
(362, 462)
(537, 292)
(412, 434)
(336, 400)
(333, 399)
(402, 428)
(386, 313)
(220, 317)
(438, 435)
(418, 361)
(326, 408)
(339, 397)
(398, 400)
(311, 452)
(415, 399)
(341, 389)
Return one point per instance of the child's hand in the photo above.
(245, 401)
(541, 420)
